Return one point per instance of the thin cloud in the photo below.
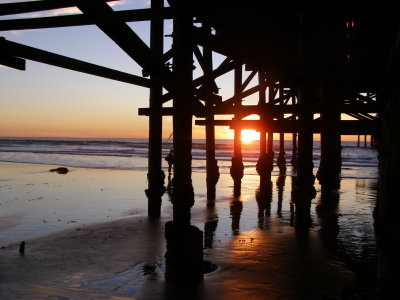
(64, 11)
(14, 32)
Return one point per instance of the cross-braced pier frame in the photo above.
(308, 68)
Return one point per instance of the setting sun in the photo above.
(249, 136)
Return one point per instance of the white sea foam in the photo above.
(131, 154)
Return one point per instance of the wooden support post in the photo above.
(263, 142)
(182, 116)
(237, 168)
(184, 260)
(270, 150)
(262, 167)
(261, 101)
(358, 140)
(211, 163)
(365, 141)
(281, 161)
(294, 151)
(330, 164)
(304, 186)
(155, 174)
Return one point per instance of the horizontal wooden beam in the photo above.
(295, 126)
(33, 6)
(277, 110)
(198, 111)
(274, 111)
(23, 51)
(80, 19)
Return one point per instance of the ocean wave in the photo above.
(132, 154)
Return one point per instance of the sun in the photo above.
(249, 136)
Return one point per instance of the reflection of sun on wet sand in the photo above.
(278, 264)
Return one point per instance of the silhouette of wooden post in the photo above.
(270, 141)
(281, 161)
(294, 150)
(184, 256)
(304, 186)
(261, 102)
(211, 163)
(330, 164)
(262, 167)
(237, 167)
(155, 174)
(263, 141)
(270, 151)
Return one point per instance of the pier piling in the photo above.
(330, 164)
(237, 167)
(184, 260)
(304, 190)
(155, 174)
(212, 168)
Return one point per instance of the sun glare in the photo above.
(249, 136)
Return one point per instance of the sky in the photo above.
(49, 101)
(46, 101)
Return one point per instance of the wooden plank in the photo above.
(275, 110)
(294, 126)
(33, 6)
(57, 60)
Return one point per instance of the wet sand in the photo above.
(124, 258)
(258, 257)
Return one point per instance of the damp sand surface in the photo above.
(258, 252)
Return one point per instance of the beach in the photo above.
(87, 236)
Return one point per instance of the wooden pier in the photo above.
(332, 71)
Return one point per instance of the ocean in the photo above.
(131, 154)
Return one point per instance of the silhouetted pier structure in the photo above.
(313, 66)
